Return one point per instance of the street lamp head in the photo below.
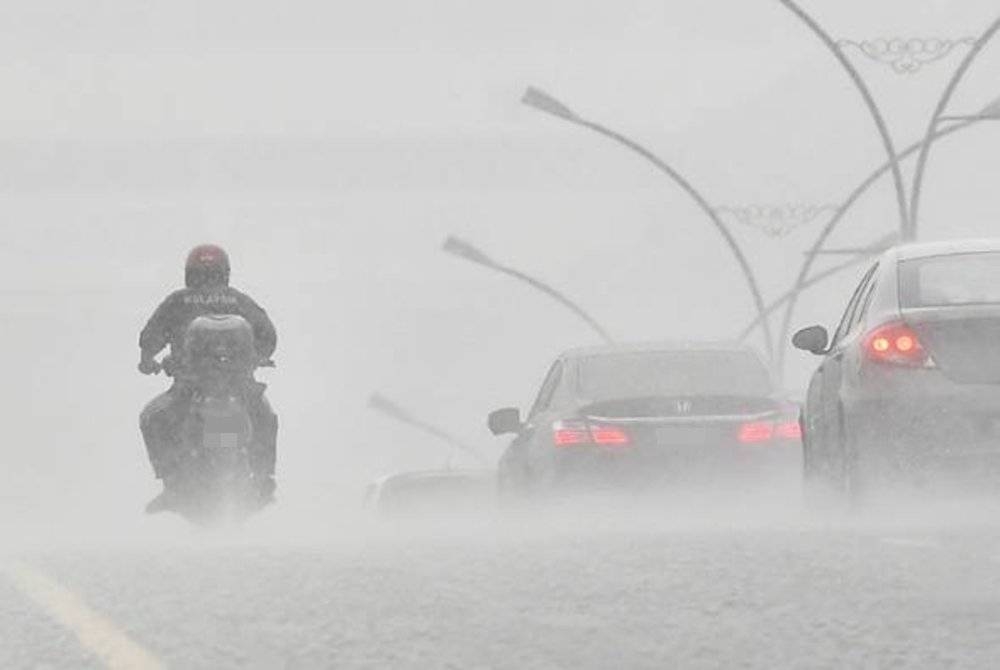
(463, 249)
(380, 403)
(540, 100)
(991, 110)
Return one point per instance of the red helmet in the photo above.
(207, 265)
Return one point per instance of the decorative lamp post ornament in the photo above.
(776, 220)
(907, 55)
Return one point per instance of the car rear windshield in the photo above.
(641, 374)
(957, 279)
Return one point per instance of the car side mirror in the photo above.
(813, 339)
(506, 420)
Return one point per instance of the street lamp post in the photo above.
(838, 216)
(867, 251)
(542, 101)
(973, 117)
(463, 249)
(794, 292)
(803, 277)
(380, 403)
(873, 109)
(918, 176)
(989, 112)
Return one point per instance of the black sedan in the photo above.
(647, 412)
(908, 390)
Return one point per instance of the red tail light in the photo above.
(569, 433)
(609, 435)
(788, 430)
(576, 432)
(758, 432)
(896, 344)
(755, 432)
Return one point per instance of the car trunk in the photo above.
(688, 420)
(964, 342)
(683, 407)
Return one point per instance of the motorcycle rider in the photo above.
(207, 291)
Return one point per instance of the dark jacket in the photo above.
(171, 318)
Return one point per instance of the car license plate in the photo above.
(222, 441)
(681, 434)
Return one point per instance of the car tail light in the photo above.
(755, 432)
(896, 344)
(609, 435)
(788, 430)
(568, 433)
(577, 432)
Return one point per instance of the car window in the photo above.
(672, 373)
(548, 389)
(846, 322)
(866, 298)
(953, 279)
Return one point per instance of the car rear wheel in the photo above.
(864, 449)
(822, 471)
(833, 472)
(855, 479)
(515, 482)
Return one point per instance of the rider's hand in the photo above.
(149, 366)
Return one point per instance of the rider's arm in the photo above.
(265, 336)
(156, 334)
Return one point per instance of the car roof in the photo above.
(906, 252)
(655, 347)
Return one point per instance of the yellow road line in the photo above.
(95, 632)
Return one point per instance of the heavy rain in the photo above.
(620, 335)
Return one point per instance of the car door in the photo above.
(528, 445)
(829, 377)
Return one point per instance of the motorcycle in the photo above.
(215, 481)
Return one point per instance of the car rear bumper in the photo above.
(926, 424)
(678, 462)
(937, 411)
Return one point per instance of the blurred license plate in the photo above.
(681, 434)
(222, 441)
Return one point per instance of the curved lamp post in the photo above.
(857, 256)
(990, 112)
(544, 102)
(463, 249)
(918, 176)
(849, 201)
(873, 109)
(380, 403)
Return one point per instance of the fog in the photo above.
(332, 147)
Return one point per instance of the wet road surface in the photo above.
(730, 590)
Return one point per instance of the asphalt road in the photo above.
(744, 585)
